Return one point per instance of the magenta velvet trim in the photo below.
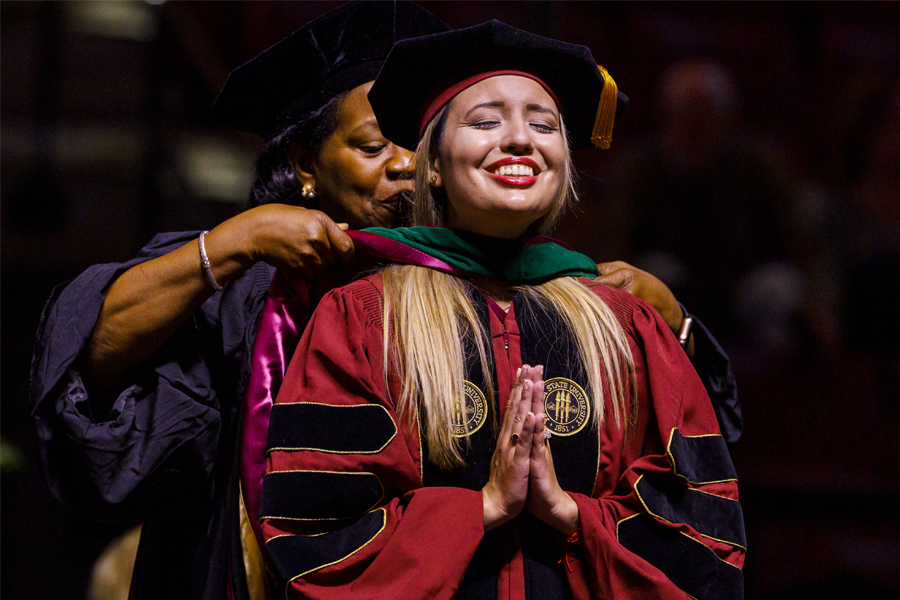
(392, 250)
(281, 324)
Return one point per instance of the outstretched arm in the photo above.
(147, 304)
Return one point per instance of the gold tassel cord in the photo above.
(601, 135)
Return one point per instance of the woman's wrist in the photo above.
(565, 516)
(490, 516)
(493, 515)
(229, 250)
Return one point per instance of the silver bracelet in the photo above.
(685, 333)
(204, 262)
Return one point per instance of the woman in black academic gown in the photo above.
(141, 367)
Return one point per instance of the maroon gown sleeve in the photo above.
(343, 510)
(664, 520)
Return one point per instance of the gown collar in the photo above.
(525, 261)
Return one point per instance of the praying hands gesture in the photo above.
(522, 473)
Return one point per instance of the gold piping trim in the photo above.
(320, 471)
(377, 533)
(378, 479)
(716, 495)
(672, 457)
(300, 449)
(653, 514)
(708, 549)
(619, 523)
(421, 456)
(599, 448)
(305, 535)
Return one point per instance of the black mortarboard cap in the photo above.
(419, 72)
(332, 54)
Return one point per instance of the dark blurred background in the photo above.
(756, 171)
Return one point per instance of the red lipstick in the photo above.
(514, 180)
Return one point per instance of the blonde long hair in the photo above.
(432, 322)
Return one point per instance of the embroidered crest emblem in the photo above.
(566, 406)
(470, 411)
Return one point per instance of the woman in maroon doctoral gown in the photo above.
(481, 418)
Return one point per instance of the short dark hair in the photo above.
(276, 180)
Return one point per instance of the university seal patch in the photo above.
(566, 406)
(470, 412)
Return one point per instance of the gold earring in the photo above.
(308, 191)
(433, 179)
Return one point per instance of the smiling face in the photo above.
(360, 177)
(502, 157)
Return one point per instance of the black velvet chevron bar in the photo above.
(689, 564)
(355, 429)
(318, 495)
(713, 516)
(702, 459)
(296, 555)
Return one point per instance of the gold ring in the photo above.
(514, 438)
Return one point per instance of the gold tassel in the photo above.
(601, 136)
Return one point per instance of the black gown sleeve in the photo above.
(160, 439)
(714, 369)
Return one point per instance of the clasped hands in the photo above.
(522, 474)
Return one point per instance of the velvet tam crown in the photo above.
(330, 55)
(418, 73)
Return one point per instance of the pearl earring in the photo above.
(308, 191)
